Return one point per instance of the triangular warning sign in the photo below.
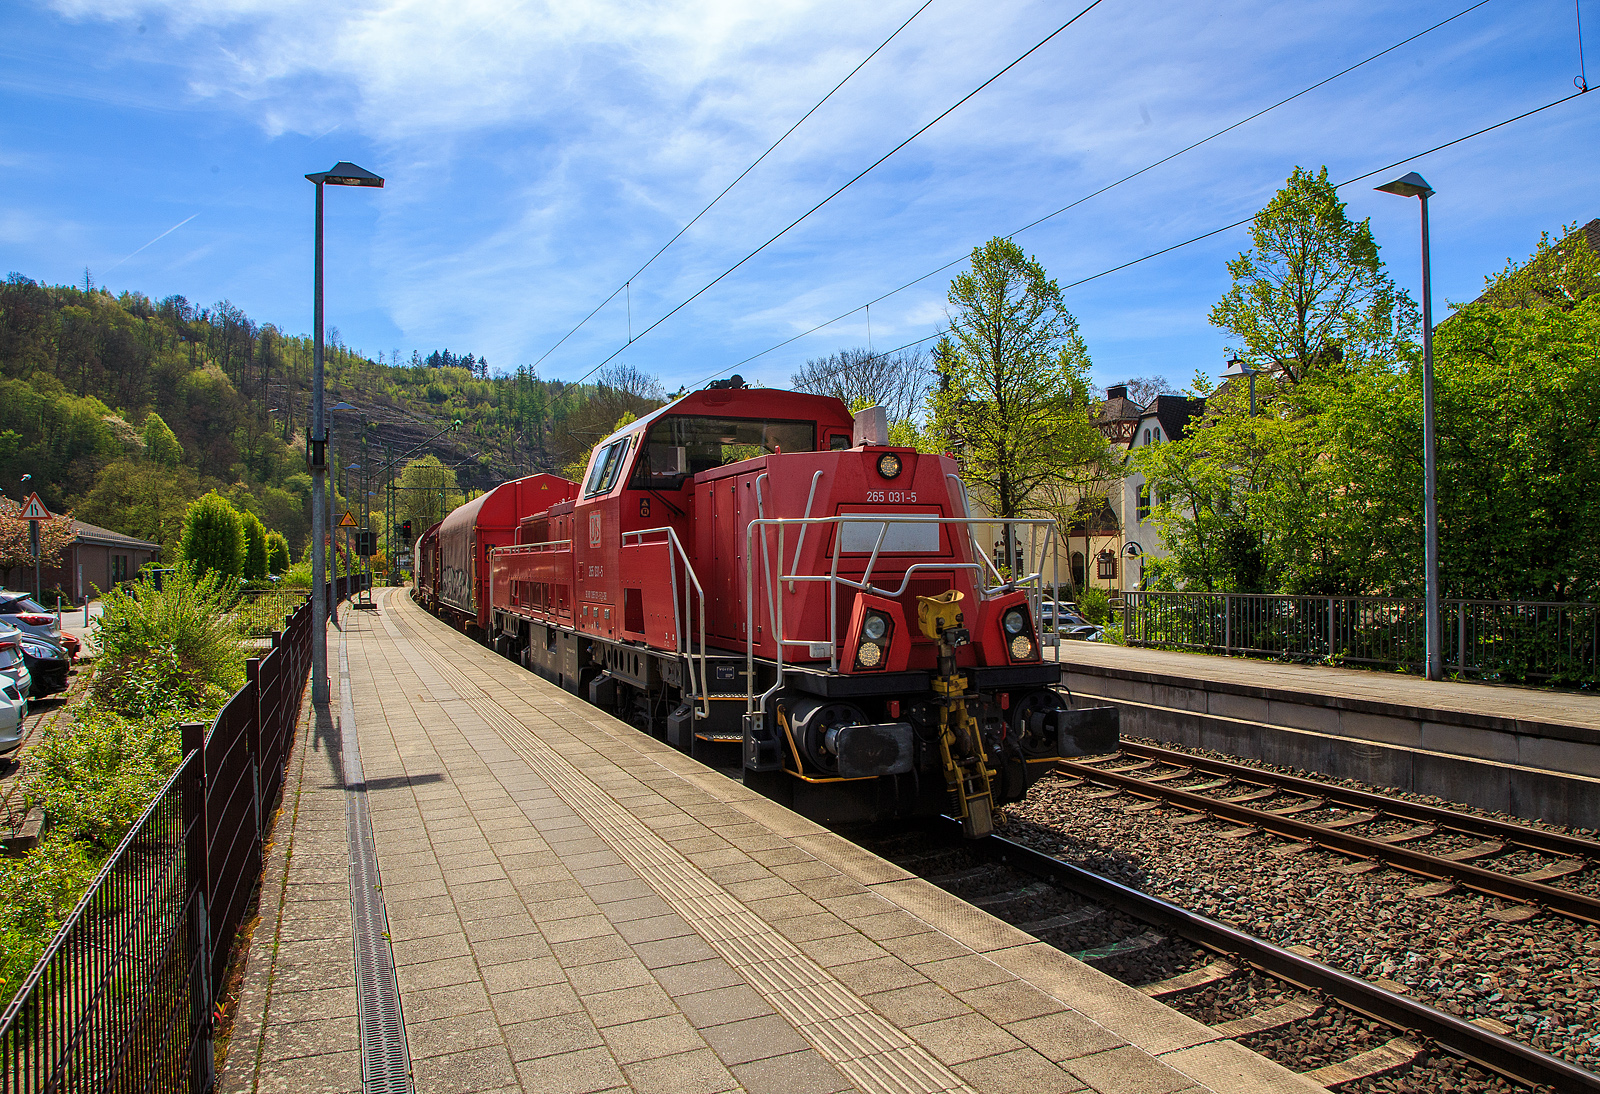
(34, 509)
(348, 521)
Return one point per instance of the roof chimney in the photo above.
(1117, 391)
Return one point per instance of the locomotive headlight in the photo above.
(1021, 647)
(1015, 622)
(875, 627)
(869, 655)
(888, 465)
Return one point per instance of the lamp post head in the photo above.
(1236, 367)
(1409, 185)
(345, 173)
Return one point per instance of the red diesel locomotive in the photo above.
(757, 568)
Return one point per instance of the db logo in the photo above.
(594, 529)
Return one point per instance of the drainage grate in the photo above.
(385, 1060)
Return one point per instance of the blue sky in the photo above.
(537, 153)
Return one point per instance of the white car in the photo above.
(13, 709)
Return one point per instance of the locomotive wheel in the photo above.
(810, 720)
(1032, 741)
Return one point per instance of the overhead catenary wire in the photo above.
(1112, 185)
(1238, 223)
(857, 178)
(628, 284)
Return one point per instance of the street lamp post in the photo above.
(1413, 185)
(342, 173)
(1237, 367)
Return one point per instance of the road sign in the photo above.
(34, 510)
(348, 521)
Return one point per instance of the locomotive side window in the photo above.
(606, 468)
(680, 446)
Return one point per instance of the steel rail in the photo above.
(1504, 1055)
(1534, 839)
(1506, 886)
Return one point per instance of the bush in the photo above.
(36, 893)
(277, 553)
(298, 576)
(169, 649)
(97, 775)
(1095, 604)
(255, 547)
(213, 536)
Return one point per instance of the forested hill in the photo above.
(82, 372)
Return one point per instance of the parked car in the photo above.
(13, 662)
(13, 709)
(48, 663)
(24, 613)
(1065, 619)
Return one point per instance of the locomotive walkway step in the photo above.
(573, 906)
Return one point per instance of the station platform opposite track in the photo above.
(480, 883)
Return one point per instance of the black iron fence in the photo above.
(1490, 639)
(122, 998)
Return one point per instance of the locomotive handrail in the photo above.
(529, 548)
(700, 691)
(1032, 582)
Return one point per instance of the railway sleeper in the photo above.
(1397, 1053)
(1208, 974)
(1285, 1014)
(999, 900)
(1125, 947)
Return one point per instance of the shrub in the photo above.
(277, 553)
(255, 547)
(1094, 603)
(213, 536)
(36, 893)
(183, 637)
(298, 576)
(95, 776)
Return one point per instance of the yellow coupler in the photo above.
(966, 768)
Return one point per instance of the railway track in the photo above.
(1338, 1030)
(1445, 846)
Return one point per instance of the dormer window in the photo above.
(1147, 436)
(1158, 434)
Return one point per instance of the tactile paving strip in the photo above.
(385, 1058)
(873, 1053)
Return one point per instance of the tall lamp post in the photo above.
(1237, 367)
(342, 173)
(1413, 185)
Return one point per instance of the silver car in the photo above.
(23, 612)
(16, 685)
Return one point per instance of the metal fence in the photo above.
(1489, 639)
(121, 999)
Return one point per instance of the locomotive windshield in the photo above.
(680, 446)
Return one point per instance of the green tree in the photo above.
(1312, 288)
(1013, 388)
(140, 498)
(160, 443)
(1560, 274)
(213, 537)
(255, 547)
(427, 491)
(277, 553)
(898, 382)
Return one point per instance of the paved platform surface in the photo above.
(574, 906)
(1494, 700)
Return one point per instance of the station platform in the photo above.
(1530, 752)
(568, 905)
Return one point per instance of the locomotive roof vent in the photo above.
(732, 383)
(872, 427)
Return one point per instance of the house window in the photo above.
(1107, 567)
(119, 567)
(1077, 569)
(1144, 502)
(1158, 434)
(1147, 436)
